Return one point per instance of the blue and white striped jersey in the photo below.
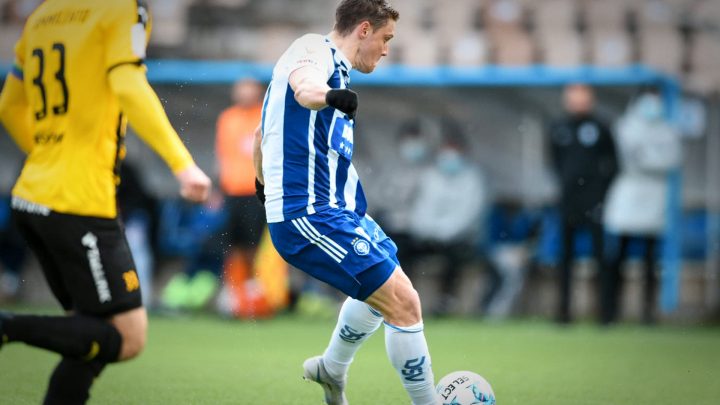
(307, 154)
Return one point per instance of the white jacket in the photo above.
(449, 208)
(637, 201)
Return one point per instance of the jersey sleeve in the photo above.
(127, 27)
(18, 68)
(310, 51)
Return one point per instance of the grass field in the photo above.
(207, 360)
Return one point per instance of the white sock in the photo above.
(408, 353)
(357, 322)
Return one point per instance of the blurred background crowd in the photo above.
(563, 201)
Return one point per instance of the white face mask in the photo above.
(450, 162)
(413, 150)
(650, 107)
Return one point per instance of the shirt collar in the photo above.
(339, 56)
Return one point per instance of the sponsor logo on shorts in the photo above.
(96, 267)
(131, 281)
(361, 246)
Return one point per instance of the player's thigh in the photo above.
(96, 264)
(30, 226)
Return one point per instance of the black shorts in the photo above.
(245, 221)
(86, 261)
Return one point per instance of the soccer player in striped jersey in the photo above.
(78, 78)
(315, 204)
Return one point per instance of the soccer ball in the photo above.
(465, 388)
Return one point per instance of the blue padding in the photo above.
(173, 71)
(694, 235)
(4, 211)
(183, 227)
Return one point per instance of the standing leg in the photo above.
(566, 263)
(71, 381)
(452, 270)
(611, 283)
(650, 293)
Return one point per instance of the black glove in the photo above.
(260, 191)
(344, 100)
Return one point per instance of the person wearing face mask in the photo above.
(447, 211)
(585, 162)
(396, 186)
(636, 207)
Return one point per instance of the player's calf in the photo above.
(76, 336)
(71, 381)
(405, 341)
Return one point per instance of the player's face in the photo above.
(374, 46)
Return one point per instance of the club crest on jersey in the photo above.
(361, 246)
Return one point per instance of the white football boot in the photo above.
(334, 389)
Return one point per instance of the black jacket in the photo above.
(585, 160)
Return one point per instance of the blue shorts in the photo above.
(349, 252)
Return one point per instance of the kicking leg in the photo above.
(405, 343)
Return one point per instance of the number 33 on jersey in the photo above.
(63, 58)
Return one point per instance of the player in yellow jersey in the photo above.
(78, 78)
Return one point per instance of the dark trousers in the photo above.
(454, 257)
(612, 288)
(569, 230)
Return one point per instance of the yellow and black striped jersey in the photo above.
(64, 56)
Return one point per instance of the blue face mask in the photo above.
(450, 162)
(413, 150)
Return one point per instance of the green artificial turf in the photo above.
(207, 360)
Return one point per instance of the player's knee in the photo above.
(406, 309)
(133, 329)
(132, 345)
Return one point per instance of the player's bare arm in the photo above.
(14, 113)
(145, 113)
(312, 92)
(257, 154)
(310, 87)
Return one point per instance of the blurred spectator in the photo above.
(584, 158)
(509, 252)
(197, 284)
(396, 188)
(15, 12)
(636, 208)
(137, 210)
(446, 215)
(234, 148)
(13, 254)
